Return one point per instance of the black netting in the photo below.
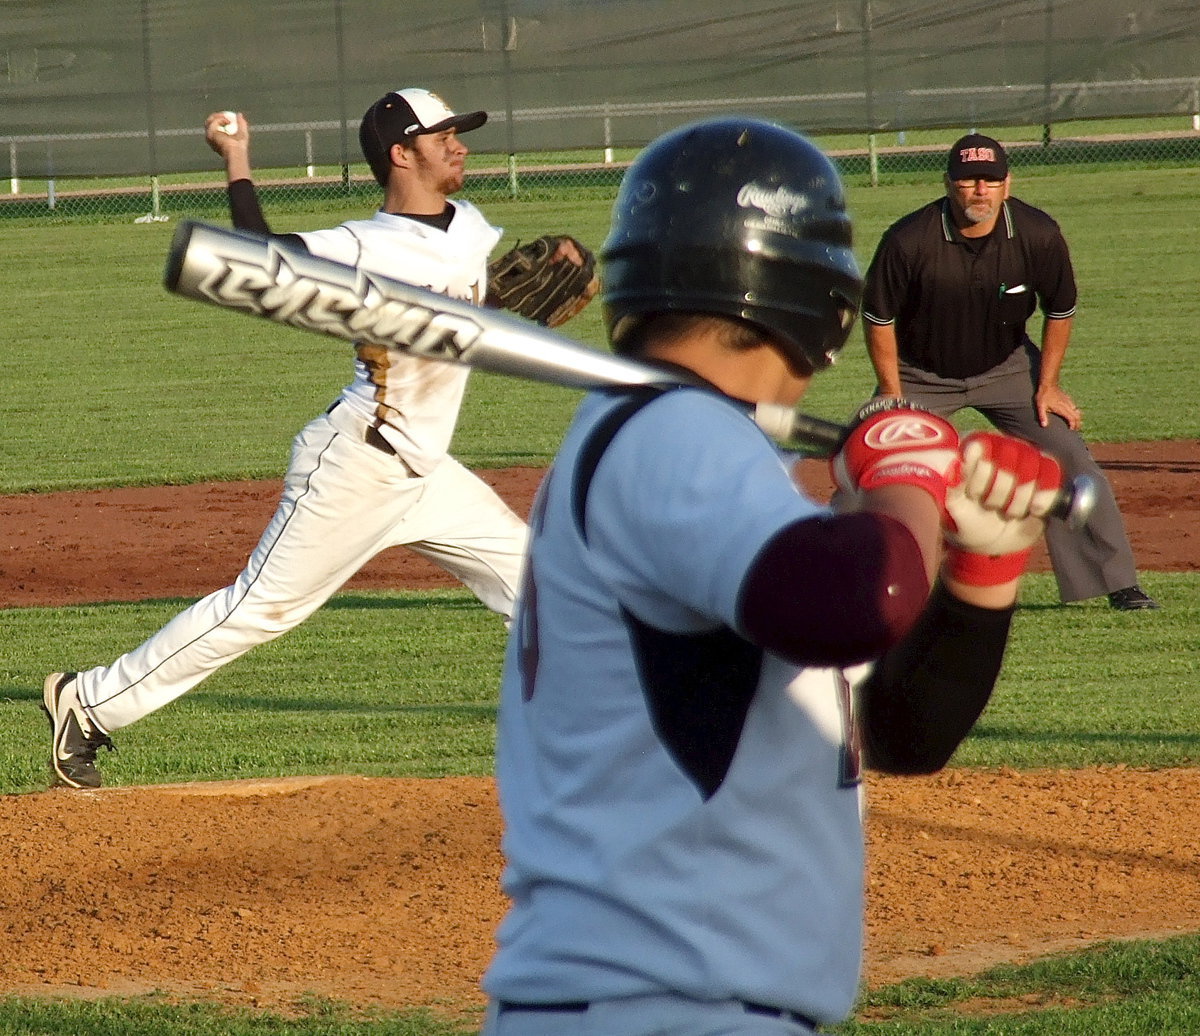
(120, 88)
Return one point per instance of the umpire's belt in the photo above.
(350, 423)
(579, 1006)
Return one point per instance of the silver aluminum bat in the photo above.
(260, 275)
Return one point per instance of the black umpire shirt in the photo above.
(960, 304)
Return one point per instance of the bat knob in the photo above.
(1080, 501)
(777, 420)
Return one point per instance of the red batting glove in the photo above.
(996, 514)
(893, 442)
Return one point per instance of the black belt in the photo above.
(779, 1012)
(373, 437)
(579, 1006)
(568, 1007)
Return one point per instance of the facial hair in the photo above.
(978, 211)
(447, 181)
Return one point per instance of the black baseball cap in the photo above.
(402, 114)
(976, 157)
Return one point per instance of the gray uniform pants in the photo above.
(1089, 562)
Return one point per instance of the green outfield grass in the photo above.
(404, 684)
(376, 684)
(111, 381)
(157, 1016)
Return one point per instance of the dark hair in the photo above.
(647, 329)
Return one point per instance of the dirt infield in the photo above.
(385, 892)
(184, 541)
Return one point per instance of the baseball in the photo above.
(230, 125)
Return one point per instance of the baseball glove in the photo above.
(541, 281)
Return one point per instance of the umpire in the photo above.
(947, 297)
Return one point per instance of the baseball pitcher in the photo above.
(371, 472)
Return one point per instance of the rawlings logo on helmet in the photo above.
(778, 202)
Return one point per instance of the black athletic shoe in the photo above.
(74, 739)
(1131, 599)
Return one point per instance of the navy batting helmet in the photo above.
(741, 218)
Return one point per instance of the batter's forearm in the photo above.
(925, 694)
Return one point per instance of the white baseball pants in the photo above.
(343, 502)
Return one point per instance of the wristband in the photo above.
(908, 473)
(985, 569)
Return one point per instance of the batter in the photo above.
(688, 696)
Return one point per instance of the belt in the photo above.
(779, 1012)
(568, 1007)
(372, 436)
(579, 1006)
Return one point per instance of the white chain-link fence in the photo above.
(877, 158)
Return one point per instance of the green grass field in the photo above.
(111, 381)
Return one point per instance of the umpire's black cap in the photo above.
(976, 157)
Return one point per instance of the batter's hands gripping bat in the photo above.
(256, 274)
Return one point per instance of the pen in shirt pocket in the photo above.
(1016, 289)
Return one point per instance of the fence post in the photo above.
(608, 149)
(868, 60)
(513, 185)
(308, 152)
(1048, 70)
(14, 182)
(1195, 111)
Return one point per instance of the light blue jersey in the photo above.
(681, 809)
